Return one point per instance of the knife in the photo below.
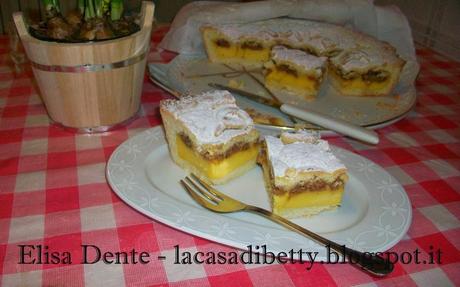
(306, 114)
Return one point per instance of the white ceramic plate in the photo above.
(374, 215)
(364, 111)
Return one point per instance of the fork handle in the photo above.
(372, 263)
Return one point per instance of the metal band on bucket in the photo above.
(89, 67)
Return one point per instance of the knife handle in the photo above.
(328, 122)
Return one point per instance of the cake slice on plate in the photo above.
(209, 135)
(294, 71)
(302, 175)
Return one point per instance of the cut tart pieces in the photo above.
(372, 70)
(302, 175)
(360, 65)
(209, 135)
(294, 71)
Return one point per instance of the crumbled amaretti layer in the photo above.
(218, 155)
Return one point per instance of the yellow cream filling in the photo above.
(216, 169)
(237, 52)
(283, 79)
(307, 199)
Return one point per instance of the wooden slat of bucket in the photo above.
(104, 98)
(90, 99)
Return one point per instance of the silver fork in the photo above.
(212, 199)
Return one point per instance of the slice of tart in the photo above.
(294, 71)
(222, 47)
(372, 70)
(302, 175)
(209, 135)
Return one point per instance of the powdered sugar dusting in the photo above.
(323, 38)
(366, 57)
(320, 36)
(212, 117)
(308, 136)
(301, 156)
(298, 57)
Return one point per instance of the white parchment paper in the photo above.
(384, 23)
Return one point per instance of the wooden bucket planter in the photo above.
(90, 86)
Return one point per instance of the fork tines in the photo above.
(189, 182)
(194, 184)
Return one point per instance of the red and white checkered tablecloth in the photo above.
(53, 192)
